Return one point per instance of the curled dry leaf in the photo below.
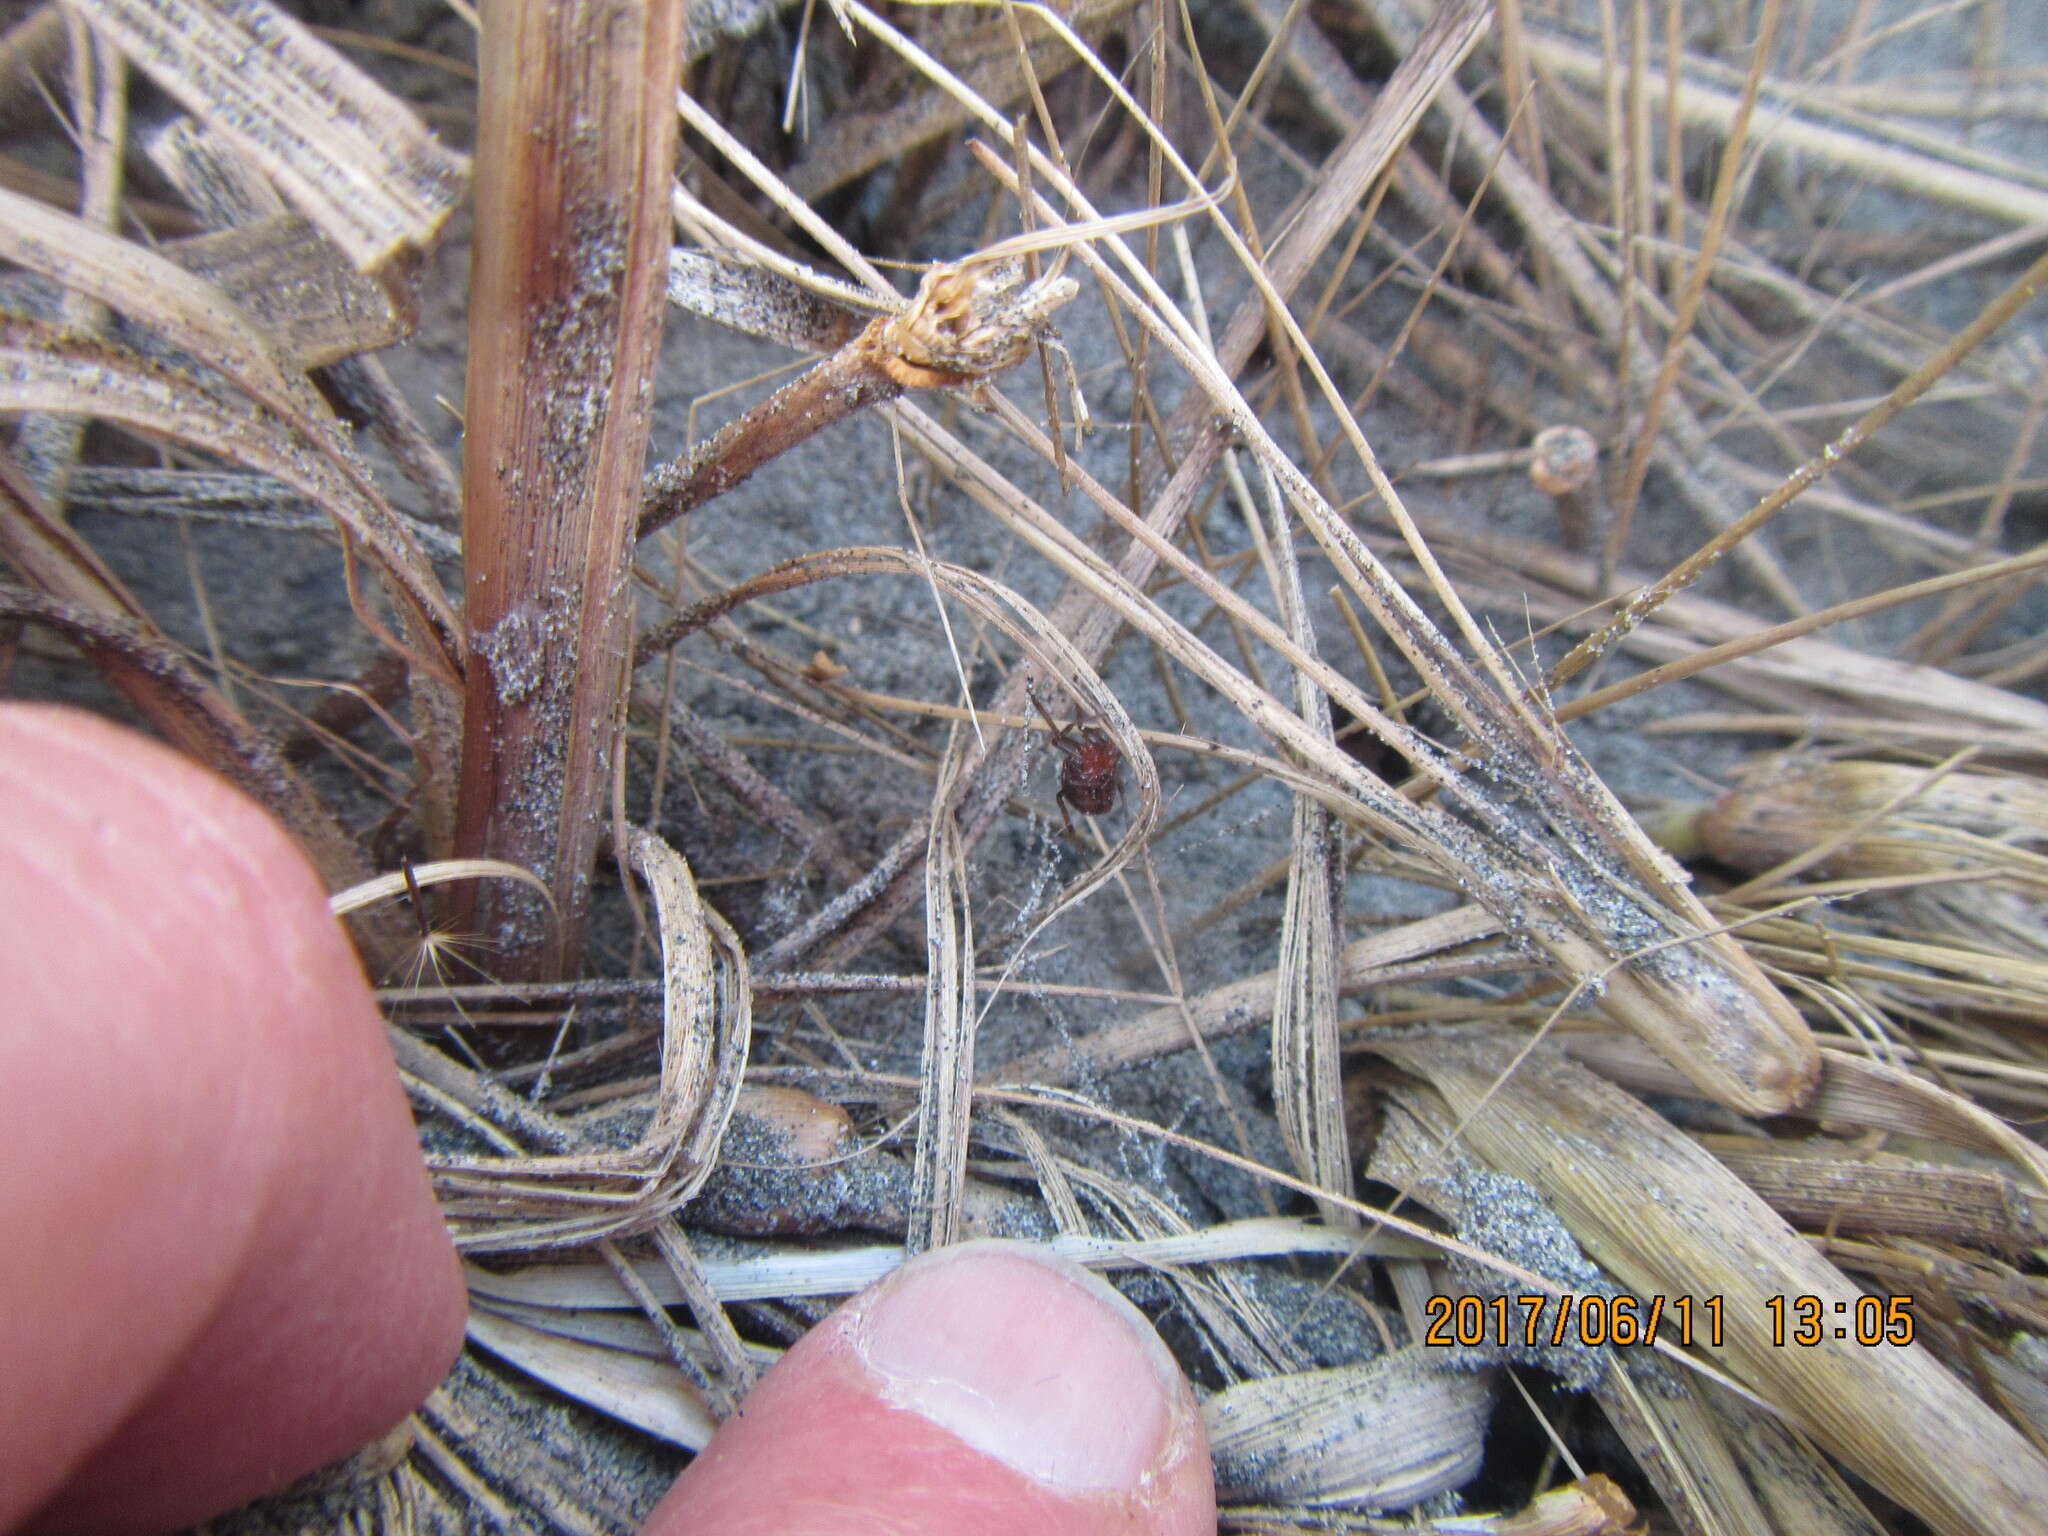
(581, 1194)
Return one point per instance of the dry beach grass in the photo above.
(1631, 890)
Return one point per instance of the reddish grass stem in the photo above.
(575, 156)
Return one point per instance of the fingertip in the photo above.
(230, 1268)
(988, 1387)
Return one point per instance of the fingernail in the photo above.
(1029, 1359)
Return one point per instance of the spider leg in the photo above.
(1059, 732)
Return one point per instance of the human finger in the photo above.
(987, 1387)
(223, 1265)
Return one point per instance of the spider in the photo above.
(1089, 765)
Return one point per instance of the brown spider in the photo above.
(1090, 761)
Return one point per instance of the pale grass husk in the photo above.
(1954, 855)
(1857, 818)
(1386, 1435)
(1856, 1092)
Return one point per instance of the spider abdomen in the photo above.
(1088, 776)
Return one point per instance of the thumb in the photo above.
(989, 1387)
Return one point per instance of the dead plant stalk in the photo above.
(576, 141)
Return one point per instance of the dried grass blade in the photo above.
(42, 368)
(1803, 1491)
(1723, 1466)
(614, 1324)
(1663, 1417)
(842, 1271)
(1787, 812)
(388, 887)
(1678, 1445)
(1686, 307)
(1830, 672)
(48, 446)
(1854, 1091)
(651, 1395)
(1860, 1090)
(1788, 133)
(735, 1372)
(2007, 570)
(1832, 1192)
(1616, 912)
(1667, 1220)
(349, 155)
(51, 557)
(148, 287)
(1241, 1005)
(286, 275)
(31, 50)
(1389, 1433)
(1306, 1053)
(856, 141)
(946, 1083)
